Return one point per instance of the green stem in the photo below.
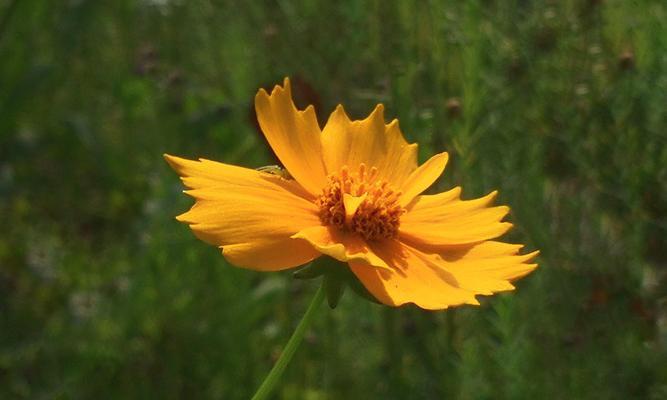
(272, 378)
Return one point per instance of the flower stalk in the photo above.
(273, 377)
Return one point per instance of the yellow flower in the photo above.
(353, 193)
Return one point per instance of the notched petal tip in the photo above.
(502, 211)
(378, 112)
(526, 268)
(490, 198)
(339, 113)
(178, 164)
(277, 90)
(455, 192)
(183, 218)
(261, 94)
(531, 255)
(504, 227)
(285, 88)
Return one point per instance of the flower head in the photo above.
(353, 193)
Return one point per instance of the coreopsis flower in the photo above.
(353, 192)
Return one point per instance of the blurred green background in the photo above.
(561, 105)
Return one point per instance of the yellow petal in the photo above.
(432, 282)
(423, 177)
(369, 141)
(413, 278)
(487, 267)
(294, 136)
(207, 174)
(340, 245)
(444, 220)
(270, 255)
(247, 212)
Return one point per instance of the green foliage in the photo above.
(560, 105)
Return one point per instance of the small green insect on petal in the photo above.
(275, 170)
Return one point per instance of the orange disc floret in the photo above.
(377, 212)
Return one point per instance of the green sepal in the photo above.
(336, 276)
(310, 271)
(334, 288)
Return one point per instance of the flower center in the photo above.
(361, 203)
